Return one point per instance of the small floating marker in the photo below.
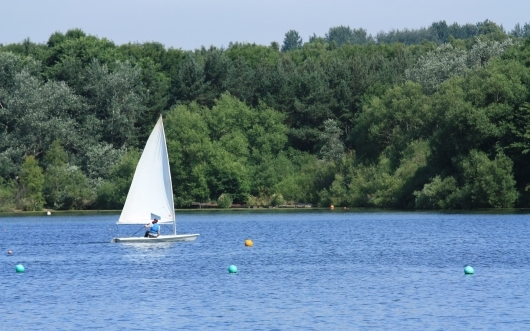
(232, 269)
(249, 243)
(331, 207)
(49, 213)
(9, 252)
(468, 270)
(19, 268)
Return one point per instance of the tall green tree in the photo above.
(189, 147)
(37, 113)
(309, 107)
(390, 122)
(65, 186)
(188, 84)
(291, 41)
(341, 35)
(487, 183)
(440, 31)
(32, 183)
(8, 192)
(437, 66)
(116, 99)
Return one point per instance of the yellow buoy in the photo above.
(249, 243)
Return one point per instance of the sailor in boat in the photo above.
(153, 230)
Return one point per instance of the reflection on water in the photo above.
(307, 270)
(142, 253)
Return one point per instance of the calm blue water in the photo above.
(307, 271)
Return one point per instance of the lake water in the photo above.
(313, 270)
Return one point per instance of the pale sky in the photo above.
(190, 24)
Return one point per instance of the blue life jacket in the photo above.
(154, 229)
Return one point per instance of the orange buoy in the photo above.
(249, 243)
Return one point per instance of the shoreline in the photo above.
(507, 211)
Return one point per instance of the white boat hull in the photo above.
(159, 239)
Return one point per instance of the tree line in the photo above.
(434, 118)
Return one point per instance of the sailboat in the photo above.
(151, 193)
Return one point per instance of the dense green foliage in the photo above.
(433, 118)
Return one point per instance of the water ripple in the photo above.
(307, 271)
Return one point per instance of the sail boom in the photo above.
(132, 222)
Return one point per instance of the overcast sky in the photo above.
(190, 24)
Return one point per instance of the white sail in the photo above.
(151, 192)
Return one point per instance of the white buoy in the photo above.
(48, 213)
